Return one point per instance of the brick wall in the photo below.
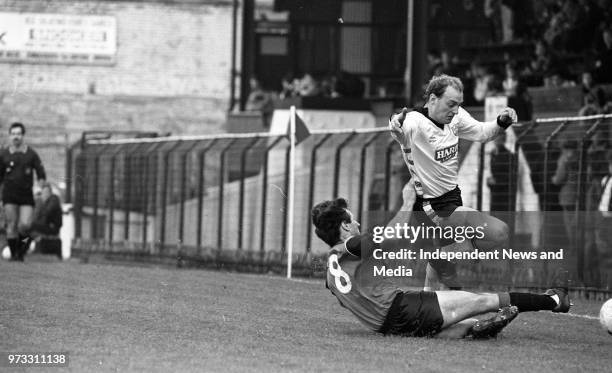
(171, 75)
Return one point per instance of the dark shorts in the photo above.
(443, 205)
(19, 198)
(414, 314)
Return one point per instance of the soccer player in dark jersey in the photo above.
(18, 163)
(383, 306)
(429, 139)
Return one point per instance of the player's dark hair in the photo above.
(437, 85)
(327, 217)
(17, 125)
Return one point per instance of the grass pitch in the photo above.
(127, 318)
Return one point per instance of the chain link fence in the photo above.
(221, 200)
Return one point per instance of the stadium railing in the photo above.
(220, 200)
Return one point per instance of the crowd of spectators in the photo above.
(571, 46)
(303, 85)
(307, 85)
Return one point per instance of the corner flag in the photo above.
(301, 131)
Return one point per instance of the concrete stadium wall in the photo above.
(172, 74)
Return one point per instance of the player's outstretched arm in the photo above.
(474, 130)
(396, 124)
(398, 132)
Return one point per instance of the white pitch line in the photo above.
(581, 316)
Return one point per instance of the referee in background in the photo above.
(18, 162)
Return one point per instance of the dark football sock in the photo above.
(23, 244)
(13, 244)
(532, 302)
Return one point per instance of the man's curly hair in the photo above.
(438, 84)
(327, 217)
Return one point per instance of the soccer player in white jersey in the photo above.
(384, 305)
(429, 139)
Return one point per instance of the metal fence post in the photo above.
(479, 187)
(221, 190)
(362, 173)
(111, 203)
(182, 193)
(164, 195)
(201, 186)
(241, 200)
(128, 202)
(545, 188)
(264, 195)
(514, 167)
(337, 162)
(546, 179)
(581, 202)
(96, 187)
(150, 173)
(388, 173)
(313, 166)
(80, 188)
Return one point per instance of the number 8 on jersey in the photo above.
(339, 275)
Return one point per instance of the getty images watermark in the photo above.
(391, 262)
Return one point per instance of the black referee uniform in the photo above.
(17, 167)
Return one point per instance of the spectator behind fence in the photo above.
(309, 86)
(597, 169)
(566, 176)
(434, 62)
(492, 11)
(557, 78)
(47, 214)
(604, 233)
(516, 91)
(603, 61)
(260, 100)
(288, 84)
(589, 107)
(541, 63)
(480, 82)
(499, 181)
(590, 87)
(450, 64)
(347, 85)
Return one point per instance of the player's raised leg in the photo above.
(495, 231)
(456, 306)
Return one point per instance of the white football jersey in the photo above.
(432, 153)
